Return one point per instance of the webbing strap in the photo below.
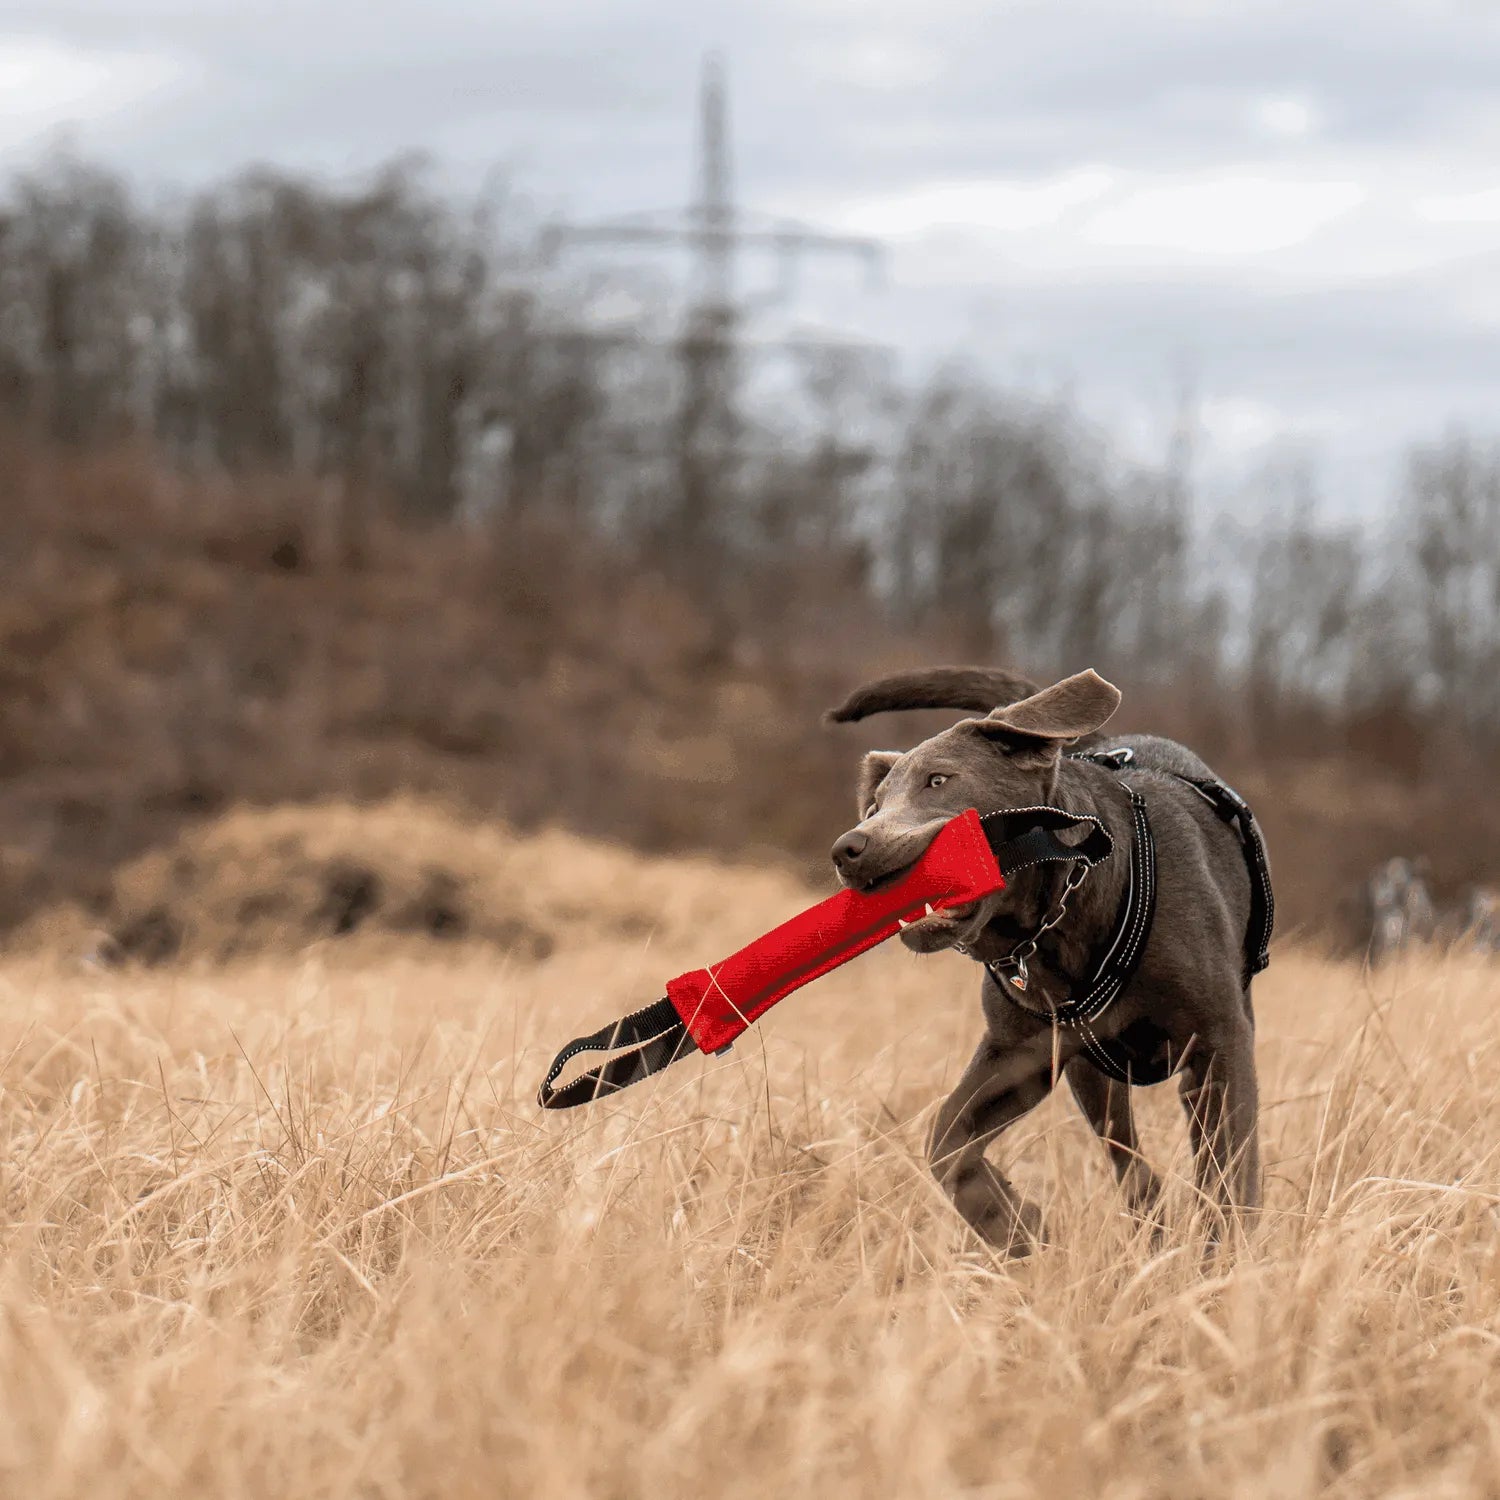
(1234, 810)
(1141, 1060)
(1141, 1055)
(659, 1037)
(1038, 843)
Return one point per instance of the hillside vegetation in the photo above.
(172, 654)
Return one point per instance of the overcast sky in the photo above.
(1295, 207)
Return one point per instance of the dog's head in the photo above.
(1009, 758)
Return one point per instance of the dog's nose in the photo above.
(848, 849)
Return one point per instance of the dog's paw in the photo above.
(1014, 1231)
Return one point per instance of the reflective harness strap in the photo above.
(1234, 810)
(1117, 963)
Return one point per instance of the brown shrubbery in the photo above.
(278, 881)
(169, 654)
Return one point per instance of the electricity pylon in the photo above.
(705, 435)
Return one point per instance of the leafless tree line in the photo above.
(411, 352)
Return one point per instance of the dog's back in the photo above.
(1178, 783)
(1151, 752)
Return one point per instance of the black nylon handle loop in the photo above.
(1038, 843)
(659, 1037)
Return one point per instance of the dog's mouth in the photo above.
(953, 915)
(936, 918)
(938, 928)
(929, 931)
(878, 882)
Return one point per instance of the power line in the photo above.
(706, 436)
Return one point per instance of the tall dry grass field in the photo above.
(296, 1227)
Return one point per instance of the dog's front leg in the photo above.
(997, 1088)
(1220, 1095)
(1106, 1105)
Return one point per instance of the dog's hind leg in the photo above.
(1220, 1096)
(997, 1088)
(1105, 1103)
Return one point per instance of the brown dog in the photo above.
(1189, 999)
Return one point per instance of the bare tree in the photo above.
(1452, 501)
(400, 347)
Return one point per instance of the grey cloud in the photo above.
(1021, 88)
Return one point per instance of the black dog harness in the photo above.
(1140, 1054)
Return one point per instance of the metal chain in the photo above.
(1026, 950)
(1016, 958)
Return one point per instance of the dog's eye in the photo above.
(870, 811)
(936, 780)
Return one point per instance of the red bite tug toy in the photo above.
(706, 1009)
(718, 1003)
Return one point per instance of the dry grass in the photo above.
(273, 880)
(297, 1228)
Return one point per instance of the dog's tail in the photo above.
(976, 688)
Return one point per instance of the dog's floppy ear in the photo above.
(873, 769)
(1067, 710)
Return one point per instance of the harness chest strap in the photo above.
(1114, 965)
(706, 1009)
(1234, 810)
(1119, 956)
